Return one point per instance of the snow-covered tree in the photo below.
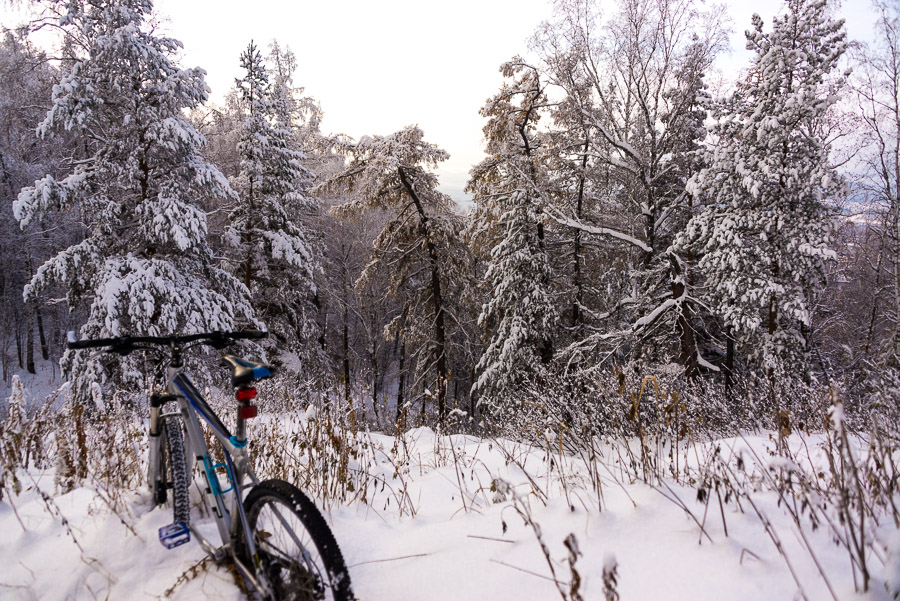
(300, 113)
(632, 108)
(26, 81)
(274, 257)
(144, 266)
(876, 79)
(419, 242)
(520, 316)
(763, 238)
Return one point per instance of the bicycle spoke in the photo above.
(295, 545)
(302, 548)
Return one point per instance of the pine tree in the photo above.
(510, 186)
(763, 237)
(144, 266)
(419, 242)
(273, 255)
(304, 115)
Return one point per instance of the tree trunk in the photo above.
(345, 327)
(689, 352)
(45, 348)
(401, 376)
(346, 349)
(18, 331)
(248, 240)
(45, 351)
(373, 360)
(440, 335)
(323, 319)
(773, 311)
(729, 365)
(29, 347)
(577, 318)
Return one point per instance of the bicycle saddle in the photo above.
(244, 371)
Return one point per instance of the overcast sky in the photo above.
(375, 66)
(378, 65)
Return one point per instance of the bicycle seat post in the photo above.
(244, 394)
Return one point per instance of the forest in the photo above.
(652, 247)
(626, 219)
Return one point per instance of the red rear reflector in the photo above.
(245, 394)
(247, 412)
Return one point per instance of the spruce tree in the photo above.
(271, 252)
(144, 266)
(520, 316)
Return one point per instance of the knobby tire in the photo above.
(314, 569)
(173, 471)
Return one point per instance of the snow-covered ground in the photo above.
(38, 386)
(436, 530)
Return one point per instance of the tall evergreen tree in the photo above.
(763, 238)
(520, 316)
(273, 255)
(144, 266)
(302, 114)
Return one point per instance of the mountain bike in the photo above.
(275, 536)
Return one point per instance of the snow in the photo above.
(648, 319)
(600, 231)
(706, 364)
(436, 530)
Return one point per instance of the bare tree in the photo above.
(634, 105)
(876, 82)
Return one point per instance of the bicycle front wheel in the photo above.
(173, 472)
(296, 549)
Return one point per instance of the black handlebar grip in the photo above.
(96, 343)
(250, 335)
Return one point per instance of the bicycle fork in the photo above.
(153, 464)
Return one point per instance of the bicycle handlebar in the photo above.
(123, 345)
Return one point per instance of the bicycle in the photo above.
(276, 537)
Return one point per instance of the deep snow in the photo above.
(465, 541)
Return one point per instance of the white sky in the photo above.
(375, 66)
(378, 65)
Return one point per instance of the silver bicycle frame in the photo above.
(230, 517)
